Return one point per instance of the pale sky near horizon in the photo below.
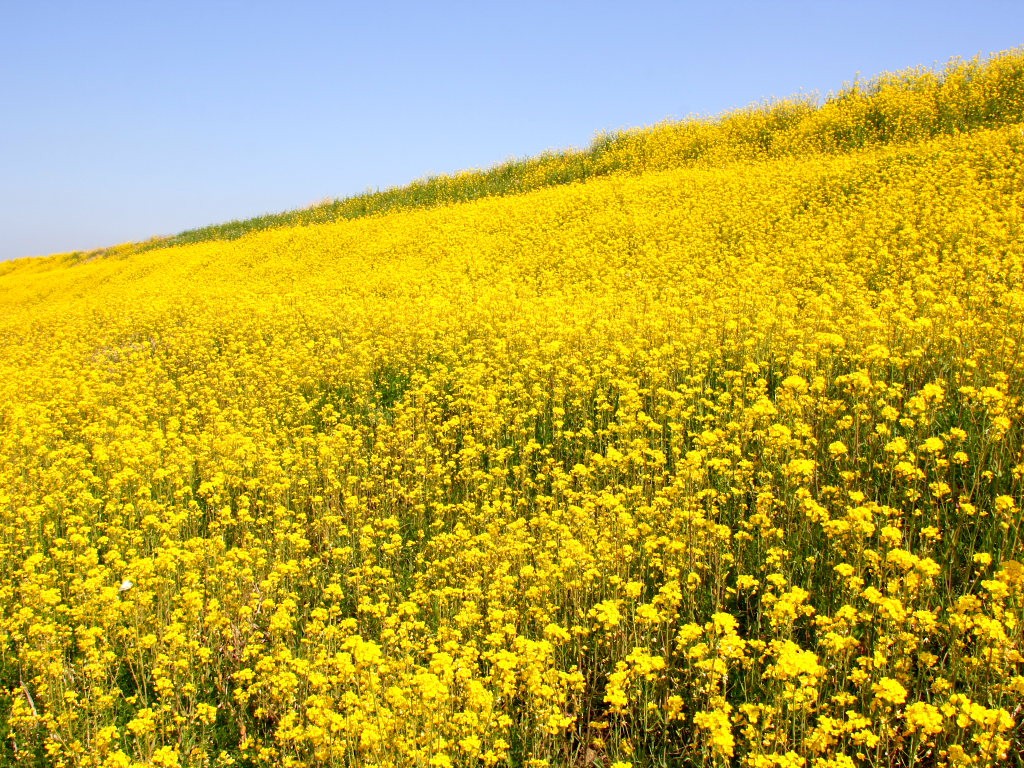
(124, 120)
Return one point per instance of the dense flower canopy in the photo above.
(705, 465)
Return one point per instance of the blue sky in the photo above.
(122, 120)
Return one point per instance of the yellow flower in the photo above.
(718, 727)
(922, 716)
(890, 691)
(838, 448)
(607, 613)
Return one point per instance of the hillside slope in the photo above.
(894, 108)
(681, 467)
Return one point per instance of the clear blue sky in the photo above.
(122, 120)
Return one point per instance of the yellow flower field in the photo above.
(711, 464)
